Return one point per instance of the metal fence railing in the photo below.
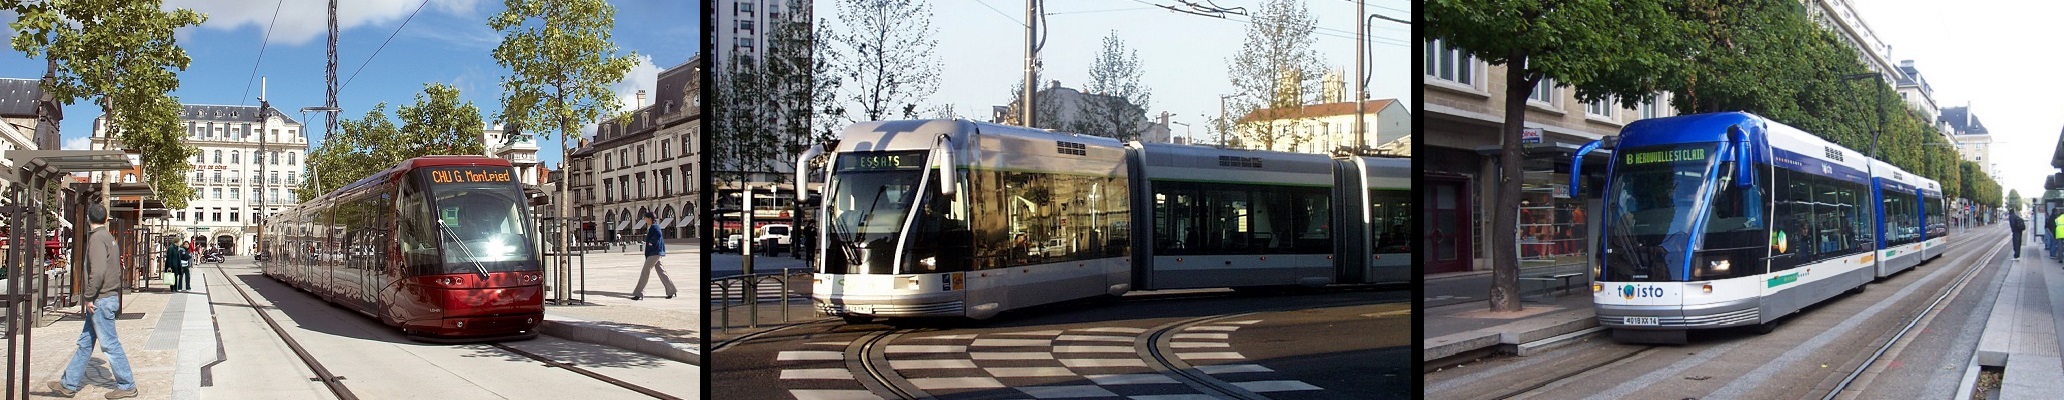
(752, 291)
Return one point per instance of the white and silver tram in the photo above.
(1729, 219)
(968, 219)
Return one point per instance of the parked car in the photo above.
(778, 232)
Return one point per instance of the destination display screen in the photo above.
(1665, 156)
(881, 161)
(470, 175)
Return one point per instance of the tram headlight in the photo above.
(930, 263)
(1719, 266)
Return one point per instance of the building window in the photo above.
(1652, 108)
(1601, 107)
(773, 11)
(218, 156)
(663, 148)
(641, 154)
(218, 176)
(290, 178)
(235, 194)
(273, 178)
(745, 26)
(217, 194)
(290, 158)
(233, 215)
(215, 216)
(275, 157)
(235, 177)
(1545, 92)
(641, 184)
(608, 162)
(609, 191)
(179, 216)
(744, 8)
(274, 193)
(1449, 63)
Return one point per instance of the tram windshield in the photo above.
(871, 194)
(481, 220)
(1650, 206)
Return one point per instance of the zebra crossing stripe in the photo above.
(1129, 379)
(809, 355)
(817, 373)
(831, 394)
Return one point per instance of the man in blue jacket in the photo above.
(654, 248)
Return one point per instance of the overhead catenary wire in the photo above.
(262, 43)
(383, 45)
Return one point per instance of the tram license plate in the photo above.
(1651, 321)
(860, 308)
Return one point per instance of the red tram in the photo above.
(441, 247)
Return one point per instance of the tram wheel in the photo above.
(857, 319)
(1766, 328)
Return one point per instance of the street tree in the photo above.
(886, 54)
(561, 62)
(1114, 100)
(438, 123)
(748, 136)
(2014, 200)
(1582, 44)
(1275, 73)
(123, 56)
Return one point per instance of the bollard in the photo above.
(784, 294)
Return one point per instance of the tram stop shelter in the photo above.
(22, 205)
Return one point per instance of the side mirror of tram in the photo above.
(1576, 165)
(1743, 166)
(943, 152)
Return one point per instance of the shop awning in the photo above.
(666, 223)
(626, 224)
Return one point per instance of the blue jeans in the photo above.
(100, 325)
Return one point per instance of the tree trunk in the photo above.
(1503, 237)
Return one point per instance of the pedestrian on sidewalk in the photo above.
(654, 248)
(2016, 225)
(175, 261)
(102, 282)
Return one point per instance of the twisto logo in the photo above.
(1630, 292)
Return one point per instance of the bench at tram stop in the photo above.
(1561, 282)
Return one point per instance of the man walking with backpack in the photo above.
(2016, 225)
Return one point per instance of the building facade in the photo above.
(519, 150)
(741, 25)
(19, 128)
(646, 164)
(1973, 141)
(248, 167)
(1329, 128)
(1067, 103)
(1464, 110)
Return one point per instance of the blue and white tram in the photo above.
(1935, 219)
(1729, 219)
(967, 219)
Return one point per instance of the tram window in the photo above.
(1735, 241)
(414, 234)
(1794, 238)
(1390, 220)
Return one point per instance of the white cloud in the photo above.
(78, 143)
(644, 76)
(301, 21)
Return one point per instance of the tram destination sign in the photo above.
(881, 161)
(1666, 156)
(470, 175)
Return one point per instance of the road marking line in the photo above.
(918, 348)
(1063, 392)
(1196, 345)
(1275, 386)
(1129, 379)
(1011, 356)
(945, 337)
(1032, 333)
(1023, 372)
(1094, 338)
(1213, 328)
(973, 382)
(831, 394)
(1219, 336)
(1221, 355)
(817, 373)
(803, 355)
(1115, 330)
(1010, 342)
(1247, 322)
(839, 344)
(930, 364)
(1093, 349)
(1232, 368)
(1391, 313)
(1103, 362)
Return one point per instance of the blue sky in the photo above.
(448, 41)
(1184, 56)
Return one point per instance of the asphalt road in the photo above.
(1808, 354)
(1325, 345)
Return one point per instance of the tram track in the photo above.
(1976, 264)
(331, 381)
(335, 383)
(1933, 308)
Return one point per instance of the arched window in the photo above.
(233, 157)
(275, 157)
(290, 158)
(218, 156)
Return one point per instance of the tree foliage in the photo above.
(124, 57)
(562, 62)
(888, 65)
(1583, 44)
(1114, 100)
(2014, 200)
(772, 103)
(437, 123)
(1275, 73)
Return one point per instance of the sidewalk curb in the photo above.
(589, 332)
(1522, 342)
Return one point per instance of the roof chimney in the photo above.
(641, 98)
